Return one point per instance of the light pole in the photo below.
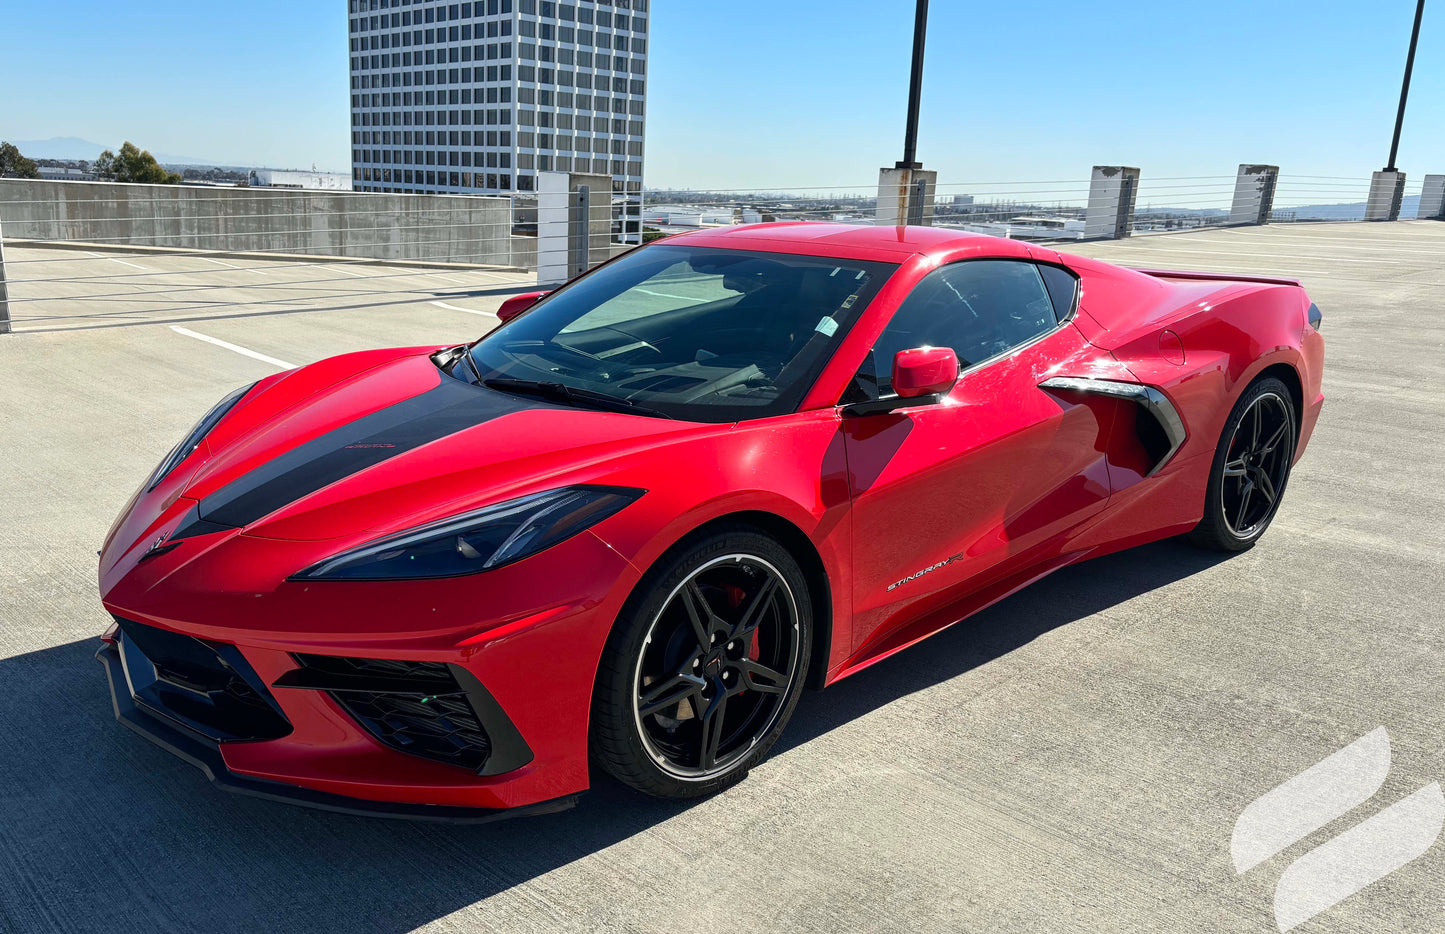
(1404, 87)
(915, 86)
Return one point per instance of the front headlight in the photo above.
(195, 436)
(478, 540)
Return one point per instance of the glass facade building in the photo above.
(477, 98)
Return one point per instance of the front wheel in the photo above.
(704, 667)
(1250, 469)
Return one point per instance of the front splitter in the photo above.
(205, 755)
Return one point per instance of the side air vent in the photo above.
(1160, 429)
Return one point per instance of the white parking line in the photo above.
(499, 276)
(257, 272)
(114, 260)
(470, 311)
(1177, 265)
(1331, 260)
(354, 275)
(233, 347)
(1315, 244)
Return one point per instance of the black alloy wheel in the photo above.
(1251, 468)
(704, 670)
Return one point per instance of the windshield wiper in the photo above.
(564, 393)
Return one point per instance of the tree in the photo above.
(14, 165)
(133, 165)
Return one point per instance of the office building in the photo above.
(477, 98)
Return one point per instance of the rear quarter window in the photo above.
(1063, 289)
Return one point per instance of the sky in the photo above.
(787, 94)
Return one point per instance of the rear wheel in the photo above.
(1250, 469)
(704, 667)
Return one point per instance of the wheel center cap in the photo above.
(713, 666)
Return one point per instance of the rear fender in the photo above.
(1204, 357)
(1201, 357)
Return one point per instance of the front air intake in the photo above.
(414, 707)
(206, 687)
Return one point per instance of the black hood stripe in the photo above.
(449, 408)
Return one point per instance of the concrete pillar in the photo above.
(1112, 190)
(1253, 194)
(574, 224)
(905, 196)
(1387, 189)
(4, 291)
(1432, 198)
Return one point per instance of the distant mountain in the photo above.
(1351, 211)
(73, 147)
(58, 147)
(165, 158)
(1197, 212)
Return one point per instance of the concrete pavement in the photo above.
(1073, 759)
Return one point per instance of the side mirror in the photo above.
(920, 377)
(924, 371)
(517, 304)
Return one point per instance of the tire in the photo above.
(663, 697)
(1246, 469)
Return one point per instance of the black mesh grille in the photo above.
(207, 686)
(380, 667)
(429, 715)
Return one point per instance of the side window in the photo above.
(980, 308)
(1063, 289)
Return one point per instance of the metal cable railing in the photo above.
(1025, 209)
(475, 230)
(326, 244)
(117, 259)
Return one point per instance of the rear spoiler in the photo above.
(1217, 277)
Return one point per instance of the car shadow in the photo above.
(1067, 595)
(102, 830)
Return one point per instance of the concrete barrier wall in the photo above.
(524, 252)
(435, 228)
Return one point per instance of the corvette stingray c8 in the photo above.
(627, 527)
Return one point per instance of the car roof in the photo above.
(860, 242)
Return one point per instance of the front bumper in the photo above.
(205, 754)
(530, 634)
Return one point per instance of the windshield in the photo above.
(694, 333)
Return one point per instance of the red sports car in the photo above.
(628, 526)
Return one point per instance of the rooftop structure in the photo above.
(290, 178)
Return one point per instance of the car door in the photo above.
(951, 497)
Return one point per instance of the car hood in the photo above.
(325, 454)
